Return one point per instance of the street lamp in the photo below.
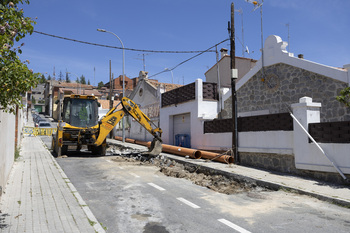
(103, 30)
(172, 75)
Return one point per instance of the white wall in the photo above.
(243, 65)
(275, 142)
(307, 155)
(199, 111)
(148, 100)
(7, 145)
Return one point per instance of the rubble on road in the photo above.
(218, 183)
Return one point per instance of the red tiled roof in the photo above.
(105, 104)
(167, 86)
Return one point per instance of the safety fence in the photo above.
(34, 131)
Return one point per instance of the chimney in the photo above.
(301, 56)
(223, 52)
(347, 66)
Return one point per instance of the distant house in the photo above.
(105, 107)
(38, 97)
(118, 86)
(146, 94)
(223, 69)
(61, 89)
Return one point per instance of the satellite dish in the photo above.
(247, 49)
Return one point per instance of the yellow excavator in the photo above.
(79, 125)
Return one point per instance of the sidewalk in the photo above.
(336, 194)
(39, 197)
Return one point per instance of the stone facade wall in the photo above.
(273, 162)
(286, 164)
(284, 85)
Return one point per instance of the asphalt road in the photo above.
(126, 197)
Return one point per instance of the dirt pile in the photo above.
(171, 168)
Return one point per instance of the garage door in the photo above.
(182, 126)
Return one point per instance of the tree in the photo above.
(60, 77)
(82, 79)
(67, 78)
(77, 81)
(88, 82)
(344, 96)
(42, 79)
(15, 77)
(100, 85)
(49, 77)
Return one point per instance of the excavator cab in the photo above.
(80, 112)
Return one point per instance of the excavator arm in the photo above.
(111, 119)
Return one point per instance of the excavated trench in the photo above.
(194, 173)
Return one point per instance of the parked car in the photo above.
(36, 117)
(40, 121)
(44, 124)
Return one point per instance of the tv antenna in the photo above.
(240, 11)
(143, 60)
(287, 25)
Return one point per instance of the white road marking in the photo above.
(133, 174)
(121, 168)
(188, 203)
(109, 161)
(232, 225)
(156, 186)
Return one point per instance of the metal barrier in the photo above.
(34, 131)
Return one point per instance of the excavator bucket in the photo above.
(155, 148)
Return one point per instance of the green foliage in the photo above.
(82, 79)
(100, 85)
(60, 77)
(67, 78)
(42, 79)
(33, 100)
(15, 77)
(344, 96)
(17, 151)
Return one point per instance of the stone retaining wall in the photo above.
(286, 164)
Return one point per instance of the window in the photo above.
(84, 113)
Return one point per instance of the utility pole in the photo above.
(234, 76)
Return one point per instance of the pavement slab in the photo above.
(37, 197)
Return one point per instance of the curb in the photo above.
(92, 219)
(252, 180)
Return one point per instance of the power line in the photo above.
(115, 47)
(200, 53)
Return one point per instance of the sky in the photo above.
(318, 29)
